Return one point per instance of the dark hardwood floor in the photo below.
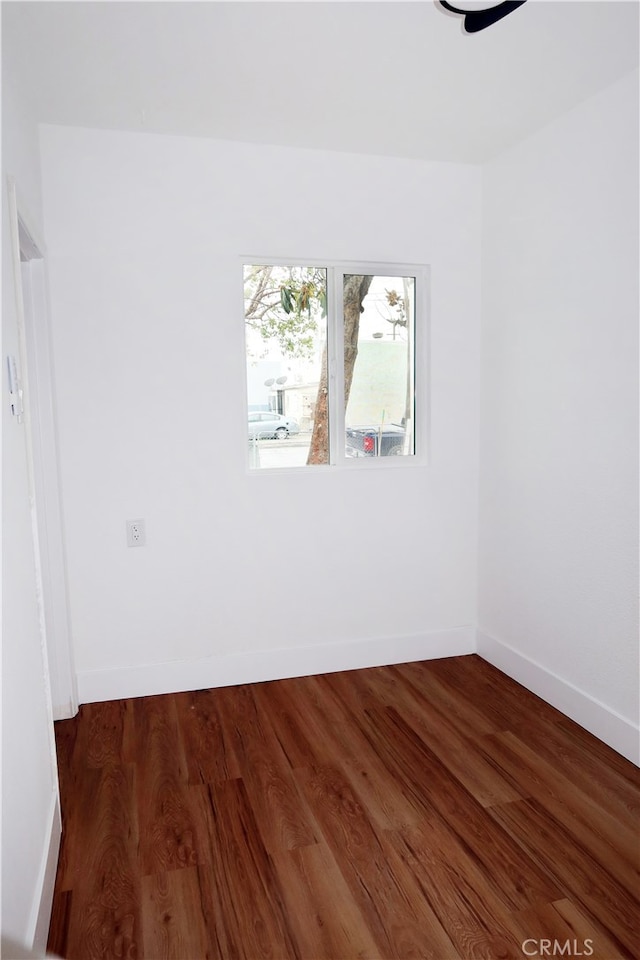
(432, 810)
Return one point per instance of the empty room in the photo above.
(360, 680)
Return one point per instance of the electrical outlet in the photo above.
(136, 533)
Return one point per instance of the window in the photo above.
(332, 371)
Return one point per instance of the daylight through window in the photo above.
(331, 363)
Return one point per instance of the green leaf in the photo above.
(286, 299)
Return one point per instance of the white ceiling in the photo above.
(394, 78)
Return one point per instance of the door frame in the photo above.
(38, 382)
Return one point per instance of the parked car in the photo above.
(269, 425)
(387, 441)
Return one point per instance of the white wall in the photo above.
(30, 810)
(559, 438)
(245, 577)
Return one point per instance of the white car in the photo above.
(269, 425)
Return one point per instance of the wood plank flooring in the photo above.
(429, 810)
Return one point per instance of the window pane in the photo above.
(379, 384)
(285, 335)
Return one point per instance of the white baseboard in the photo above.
(258, 665)
(230, 669)
(64, 711)
(43, 896)
(600, 720)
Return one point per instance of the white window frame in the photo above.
(336, 269)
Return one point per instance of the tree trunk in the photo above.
(355, 289)
(408, 315)
(319, 447)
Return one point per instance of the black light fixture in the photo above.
(476, 17)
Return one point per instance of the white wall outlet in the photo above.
(136, 533)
